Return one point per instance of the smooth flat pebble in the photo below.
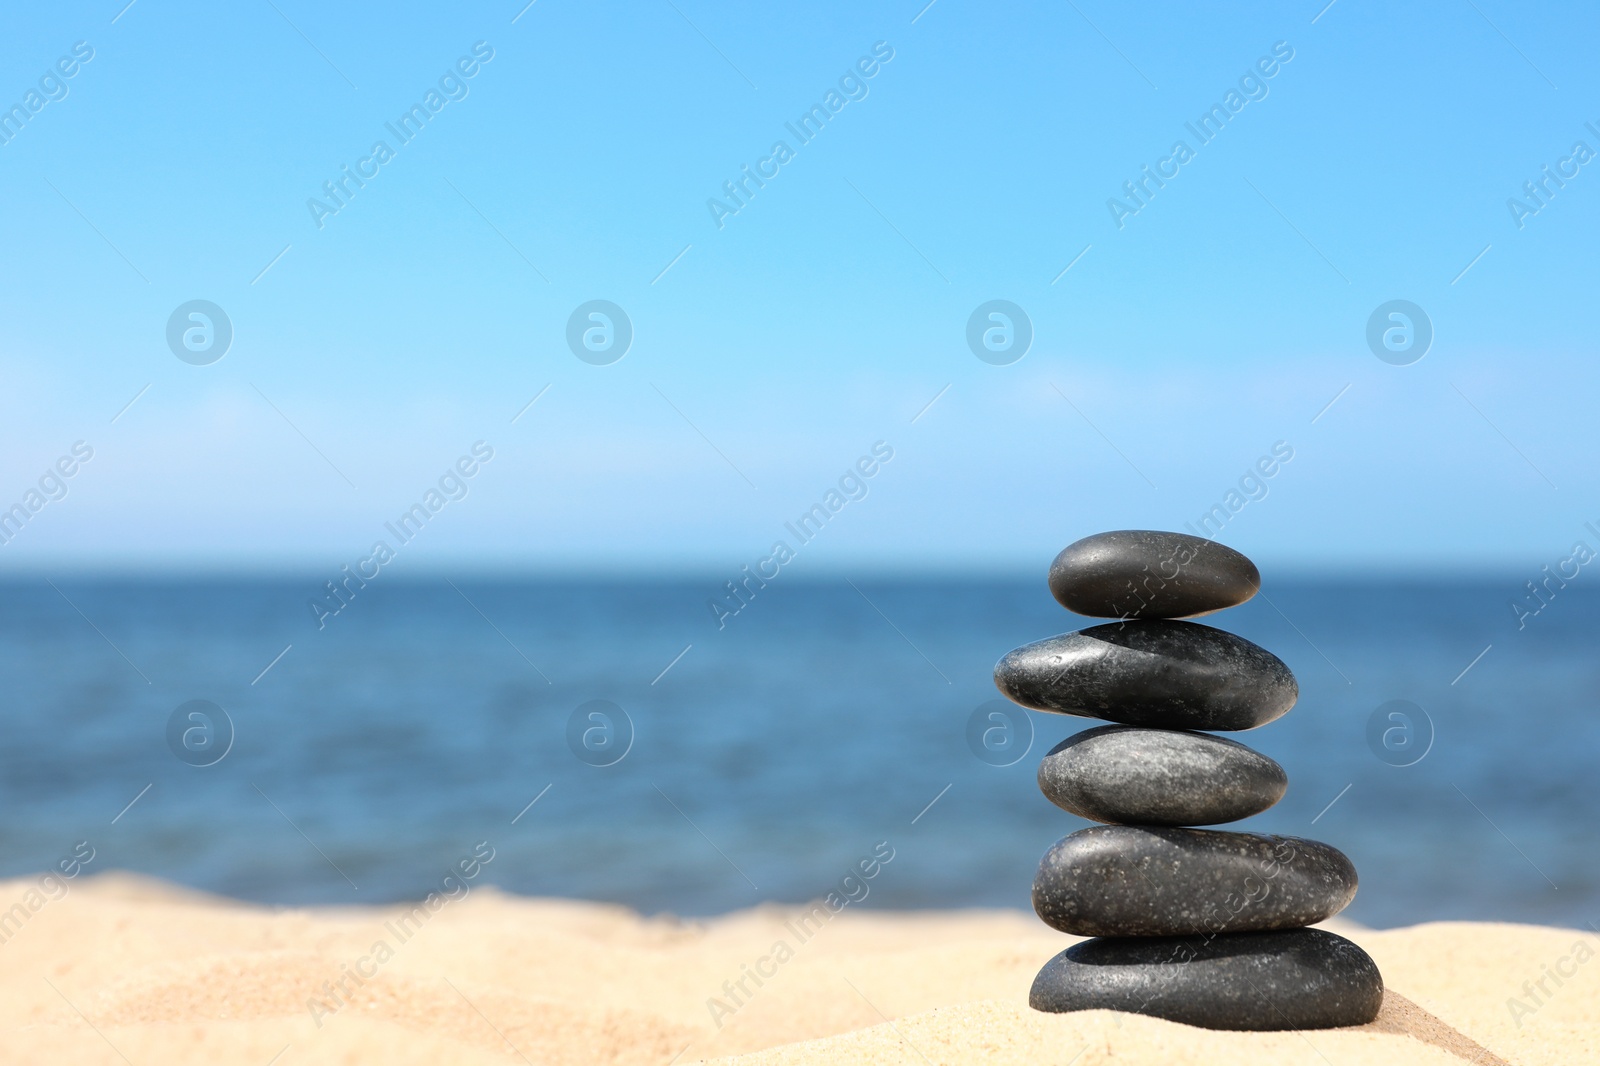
(1295, 979)
(1121, 880)
(1146, 573)
(1168, 675)
(1131, 776)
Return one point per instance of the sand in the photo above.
(124, 970)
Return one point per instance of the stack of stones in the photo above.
(1192, 925)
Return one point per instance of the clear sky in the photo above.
(970, 153)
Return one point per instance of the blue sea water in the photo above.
(775, 752)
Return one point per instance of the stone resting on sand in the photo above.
(1199, 926)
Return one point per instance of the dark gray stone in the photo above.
(1142, 573)
(1123, 880)
(1297, 979)
(1130, 776)
(1170, 675)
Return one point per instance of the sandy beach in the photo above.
(126, 970)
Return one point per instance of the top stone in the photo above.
(1143, 573)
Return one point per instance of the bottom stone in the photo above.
(1290, 979)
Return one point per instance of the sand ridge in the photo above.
(126, 970)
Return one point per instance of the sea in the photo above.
(618, 741)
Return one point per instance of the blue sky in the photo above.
(371, 352)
